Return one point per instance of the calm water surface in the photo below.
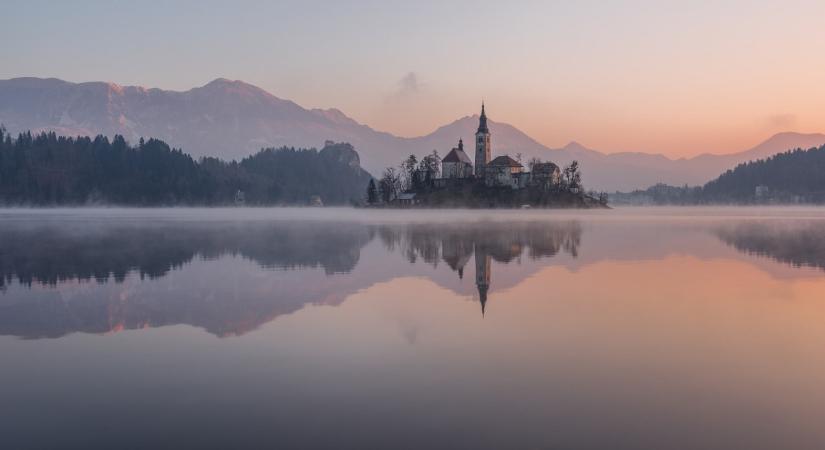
(277, 328)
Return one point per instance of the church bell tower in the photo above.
(483, 150)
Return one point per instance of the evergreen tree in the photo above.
(48, 170)
(372, 193)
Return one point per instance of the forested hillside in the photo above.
(47, 169)
(796, 176)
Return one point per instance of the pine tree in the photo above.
(372, 193)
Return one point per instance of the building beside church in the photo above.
(545, 175)
(505, 171)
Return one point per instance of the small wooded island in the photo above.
(502, 182)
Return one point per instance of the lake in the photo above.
(341, 328)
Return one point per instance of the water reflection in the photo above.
(230, 277)
(105, 277)
(455, 244)
(50, 254)
(798, 243)
(579, 331)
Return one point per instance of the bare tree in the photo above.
(531, 163)
(430, 165)
(390, 184)
(572, 178)
(408, 171)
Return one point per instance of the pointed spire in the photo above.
(482, 121)
(482, 296)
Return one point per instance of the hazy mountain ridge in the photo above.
(233, 119)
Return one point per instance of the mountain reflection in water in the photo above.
(56, 257)
(377, 329)
(104, 276)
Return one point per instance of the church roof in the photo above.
(505, 161)
(457, 155)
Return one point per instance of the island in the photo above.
(502, 182)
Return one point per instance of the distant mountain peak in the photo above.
(225, 85)
(573, 145)
(784, 135)
(232, 119)
(220, 82)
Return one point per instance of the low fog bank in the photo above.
(233, 214)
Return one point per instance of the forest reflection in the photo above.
(50, 255)
(103, 256)
(103, 276)
(796, 243)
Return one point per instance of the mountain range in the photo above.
(232, 119)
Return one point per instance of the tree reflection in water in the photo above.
(798, 243)
(102, 276)
(58, 257)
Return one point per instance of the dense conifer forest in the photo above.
(795, 176)
(46, 169)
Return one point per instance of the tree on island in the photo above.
(429, 168)
(531, 163)
(372, 193)
(390, 184)
(408, 167)
(431, 165)
(571, 177)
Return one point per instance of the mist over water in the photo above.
(246, 327)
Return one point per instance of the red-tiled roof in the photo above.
(457, 155)
(505, 161)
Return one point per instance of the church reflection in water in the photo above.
(484, 243)
(100, 277)
(231, 277)
(483, 272)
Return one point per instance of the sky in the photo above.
(678, 78)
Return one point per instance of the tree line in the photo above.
(47, 169)
(791, 177)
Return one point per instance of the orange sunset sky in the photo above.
(679, 78)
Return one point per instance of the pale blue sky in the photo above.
(678, 78)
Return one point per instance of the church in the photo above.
(503, 171)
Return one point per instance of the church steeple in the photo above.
(483, 269)
(483, 147)
(482, 121)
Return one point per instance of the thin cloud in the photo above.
(408, 87)
(409, 84)
(782, 120)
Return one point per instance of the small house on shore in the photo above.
(407, 199)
